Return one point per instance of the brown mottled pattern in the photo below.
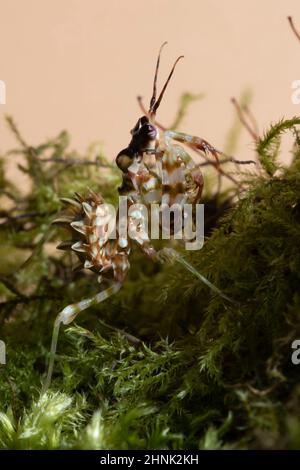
(169, 180)
(90, 241)
(173, 190)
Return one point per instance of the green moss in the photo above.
(166, 363)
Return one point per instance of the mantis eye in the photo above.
(144, 120)
(141, 122)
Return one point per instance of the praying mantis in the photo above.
(156, 170)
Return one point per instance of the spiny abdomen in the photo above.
(90, 223)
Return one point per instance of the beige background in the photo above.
(79, 64)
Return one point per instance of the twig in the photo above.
(130, 338)
(12, 218)
(290, 20)
(240, 113)
(262, 393)
(251, 117)
(8, 194)
(10, 284)
(71, 162)
(26, 300)
(230, 160)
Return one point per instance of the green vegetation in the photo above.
(166, 363)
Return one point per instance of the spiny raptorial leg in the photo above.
(197, 142)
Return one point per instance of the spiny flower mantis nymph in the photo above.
(154, 171)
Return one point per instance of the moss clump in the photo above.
(165, 363)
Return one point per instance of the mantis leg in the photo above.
(169, 255)
(194, 141)
(67, 315)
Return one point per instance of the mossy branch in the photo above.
(268, 146)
